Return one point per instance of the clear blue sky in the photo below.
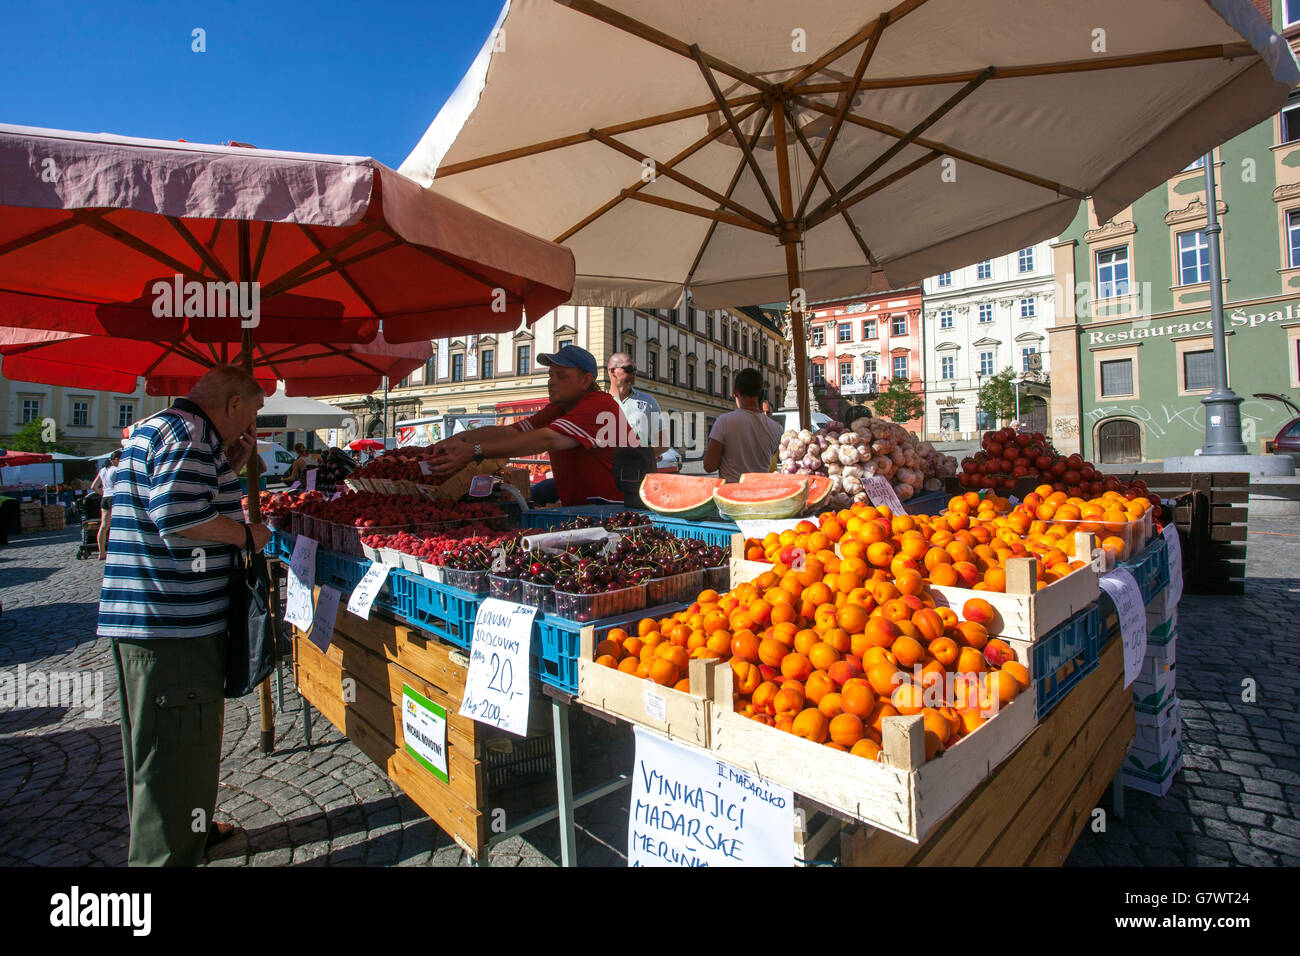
(361, 78)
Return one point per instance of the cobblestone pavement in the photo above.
(62, 801)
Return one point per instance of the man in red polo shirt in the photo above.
(580, 429)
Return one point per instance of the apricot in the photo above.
(978, 610)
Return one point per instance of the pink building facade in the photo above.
(858, 344)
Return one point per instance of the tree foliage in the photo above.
(898, 402)
(29, 438)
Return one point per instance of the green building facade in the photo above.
(1133, 318)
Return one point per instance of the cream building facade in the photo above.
(90, 420)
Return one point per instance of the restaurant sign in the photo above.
(1237, 318)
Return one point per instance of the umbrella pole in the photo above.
(791, 235)
(266, 711)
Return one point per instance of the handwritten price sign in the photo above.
(322, 622)
(881, 492)
(496, 689)
(1124, 591)
(372, 582)
(302, 578)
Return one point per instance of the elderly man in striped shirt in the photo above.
(177, 524)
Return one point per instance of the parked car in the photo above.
(789, 421)
(1287, 440)
(276, 459)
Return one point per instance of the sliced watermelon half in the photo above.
(819, 486)
(680, 496)
(755, 500)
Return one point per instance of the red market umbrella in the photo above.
(13, 459)
(366, 444)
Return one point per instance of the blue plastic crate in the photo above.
(1065, 657)
(556, 642)
(280, 546)
(443, 611)
(1150, 568)
(550, 517)
(711, 532)
(340, 571)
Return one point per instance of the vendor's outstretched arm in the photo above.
(498, 441)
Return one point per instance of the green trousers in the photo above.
(172, 705)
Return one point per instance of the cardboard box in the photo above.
(1154, 689)
(1159, 657)
(1161, 633)
(1159, 736)
(1155, 784)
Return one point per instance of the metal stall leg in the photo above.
(564, 782)
(1117, 795)
(306, 720)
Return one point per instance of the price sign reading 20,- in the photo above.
(496, 690)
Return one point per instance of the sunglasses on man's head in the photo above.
(626, 368)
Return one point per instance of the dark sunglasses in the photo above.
(626, 368)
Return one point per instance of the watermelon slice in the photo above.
(819, 486)
(680, 496)
(762, 499)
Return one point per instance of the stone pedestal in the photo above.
(1280, 465)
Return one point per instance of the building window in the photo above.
(1197, 163)
(945, 279)
(431, 369)
(1290, 123)
(818, 374)
(708, 379)
(487, 363)
(80, 414)
(1290, 12)
(846, 332)
(726, 382)
(1117, 377)
(898, 325)
(947, 367)
(766, 353)
(672, 371)
(406, 382)
(986, 363)
(1024, 357)
(900, 366)
(1112, 272)
(986, 312)
(690, 375)
(726, 331)
(125, 414)
(744, 341)
(1027, 310)
(524, 360)
(945, 319)
(868, 329)
(846, 371)
(652, 365)
(562, 343)
(1293, 238)
(457, 367)
(1026, 260)
(869, 369)
(1193, 257)
(818, 337)
(984, 270)
(1198, 370)
(31, 409)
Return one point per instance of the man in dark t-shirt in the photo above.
(580, 429)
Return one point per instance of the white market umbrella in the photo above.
(747, 149)
(281, 412)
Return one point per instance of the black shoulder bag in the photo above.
(250, 647)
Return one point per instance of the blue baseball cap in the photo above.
(571, 357)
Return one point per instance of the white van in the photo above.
(789, 421)
(276, 459)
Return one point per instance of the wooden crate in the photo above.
(685, 716)
(902, 794)
(376, 658)
(1211, 513)
(1024, 612)
(1032, 809)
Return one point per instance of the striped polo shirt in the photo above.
(157, 583)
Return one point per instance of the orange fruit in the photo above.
(907, 651)
(629, 665)
(607, 660)
(744, 645)
(811, 724)
(819, 684)
(846, 729)
(884, 678)
(797, 666)
(664, 672)
(857, 697)
(822, 656)
(908, 699)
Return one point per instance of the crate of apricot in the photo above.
(1025, 578)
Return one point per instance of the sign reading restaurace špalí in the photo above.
(1234, 319)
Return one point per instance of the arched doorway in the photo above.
(1033, 415)
(1119, 442)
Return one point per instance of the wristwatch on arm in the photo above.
(478, 454)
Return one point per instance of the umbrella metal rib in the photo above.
(209, 260)
(819, 173)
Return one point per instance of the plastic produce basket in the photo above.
(540, 596)
(473, 582)
(344, 572)
(437, 608)
(507, 589)
(676, 589)
(1150, 568)
(710, 532)
(1065, 657)
(511, 762)
(556, 642)
(585, 608)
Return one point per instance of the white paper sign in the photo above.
(1175, 546)
(311, 480)
(367, 589)
(302, 578)
(496, 688)
(688, 809)
(881, 492)
(761, 529)
(424, 731)
(322, 622)
(1124, 591)
(425, 468)
(656, 706)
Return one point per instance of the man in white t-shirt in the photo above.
(639, 408)
(744, 440)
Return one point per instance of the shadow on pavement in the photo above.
(38, 632)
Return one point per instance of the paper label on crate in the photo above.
(881, 492)
(480, 486)
(1124, 591)
(424, 731)
(496, 688)
(656, 706)
(425, 468)
(322, 622)
(1175, 546)
(688, 809)
(364, 594)
(302, 578)
(310, 478)
(761, 529)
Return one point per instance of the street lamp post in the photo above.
(979, 401)
(1222, 411)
